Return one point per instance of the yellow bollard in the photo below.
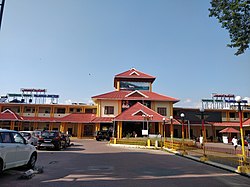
(114, 140)
(148, 143)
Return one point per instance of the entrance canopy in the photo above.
(139, 112)
(229, 130)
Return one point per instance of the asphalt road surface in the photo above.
(92, 163)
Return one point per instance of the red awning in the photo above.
(229, 130)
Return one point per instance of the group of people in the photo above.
(235, 142)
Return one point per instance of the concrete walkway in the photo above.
(219, 155)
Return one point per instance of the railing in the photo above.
(215, 151)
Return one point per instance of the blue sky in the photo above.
(75, 48)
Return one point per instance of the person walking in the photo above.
(235, 142)
(248, 144)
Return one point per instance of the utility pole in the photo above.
(1, 12)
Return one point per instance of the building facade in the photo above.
(131, 108)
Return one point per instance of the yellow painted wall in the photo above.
(119, 129)
(119, 107)
(98, 112)
(168, 105)
(150, 87)
(109, 103)
(118, 86)
(153, 106)
(97, 126)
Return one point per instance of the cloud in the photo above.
(86, 101)
(68, 101)
(247, 98)
(187, 100)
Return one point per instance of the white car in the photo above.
(15, 151)
(30, 137)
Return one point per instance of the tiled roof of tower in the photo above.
(136, 112)
(135, 95)
(134, 73)
(9, 115)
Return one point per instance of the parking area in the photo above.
(96, 163)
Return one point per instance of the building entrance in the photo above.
(132, 128)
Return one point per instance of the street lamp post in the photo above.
(164, 131)
(182, 132)
(1, 12)
(113, 133)
(204, 157)
(171, 132)
(244, 167)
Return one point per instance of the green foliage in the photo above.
(234, 15)
(128, 135)
(133, 141)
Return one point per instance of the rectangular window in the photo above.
(109, 110)
(29, 110)
(232, 115)
(88, 111)
(246, 115)
(5, 137)
(61, 111)
(127, 85)
(162, 111)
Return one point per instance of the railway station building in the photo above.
(131, 108)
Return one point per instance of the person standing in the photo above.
(201, 140)
(235, 142)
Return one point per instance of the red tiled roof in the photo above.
(226, 124)
(175, 122)
(231, 124)
(229, 130)
(140, 95)
(134, 73)
(247, 122)
(74, 118)
(77, 117)
(103, 120)
(9, 115)
(39, 119)
(136, 112)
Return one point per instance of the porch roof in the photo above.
(139, 112)
(226, 124)
(103, 120)
(38, 119)
(8, 115)
(77, 118)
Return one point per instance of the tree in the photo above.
(234, 15)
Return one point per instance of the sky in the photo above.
(74, 48)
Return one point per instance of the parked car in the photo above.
(15, 151)
(103, 135)
(38, 133)
(30, 137)
(51, 139)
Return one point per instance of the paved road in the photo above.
(91, 163)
